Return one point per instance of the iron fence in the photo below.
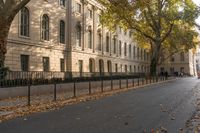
(18, 78)
(74, 84)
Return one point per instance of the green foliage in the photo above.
(157, 24)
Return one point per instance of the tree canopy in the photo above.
(162, 26)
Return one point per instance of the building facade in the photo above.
(184, 63)
(59, 35)
(66, 35)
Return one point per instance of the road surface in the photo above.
(167, 105)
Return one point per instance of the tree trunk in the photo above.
(153, 66)
(3, 43)
(155, 58)
(4, 31)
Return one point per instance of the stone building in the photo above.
(180, 63)
(66, 35)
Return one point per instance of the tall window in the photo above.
(25, 62)
(125, 49)
(62, 31)
(62, 65)
(134, 52)
(24, 27)
(78, 35)
(182, 56)
(90, 14)
(78, 8)
(99, 41)
(91, 65)
(134, 69)
(114, 45)
(62, 3)
(107, 43)
(130, 50)
(138, 53)
(45, 64)
(120, 48)
(90, 39)
(125, 69)
(109, 65)
(45, 27)
(145, 55)
(141, 54)
(116, 68)
(130, 33)
(80, 65)
(121, 67)
(172, 58)
(101, 66)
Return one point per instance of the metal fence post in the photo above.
(55, 91)
(127, 82)
(29, 94)
(120, 83)
(74, 88)
(90, 87)
(101, 84)
(111, 83)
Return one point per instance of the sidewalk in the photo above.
(17, 107)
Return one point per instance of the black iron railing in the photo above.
(18, 78)
(73, 84)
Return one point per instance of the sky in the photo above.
(198, 3)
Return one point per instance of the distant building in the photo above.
(180, 63)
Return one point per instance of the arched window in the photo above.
(24, 27)
(91, 65)
(45, 27)
(62, 31)
(109, 65)
(78, 35)
(101, 66)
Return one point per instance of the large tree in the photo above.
(163, 26)
(8, 10)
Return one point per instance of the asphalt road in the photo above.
(168, 105)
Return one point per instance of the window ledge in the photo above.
(25, 37)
